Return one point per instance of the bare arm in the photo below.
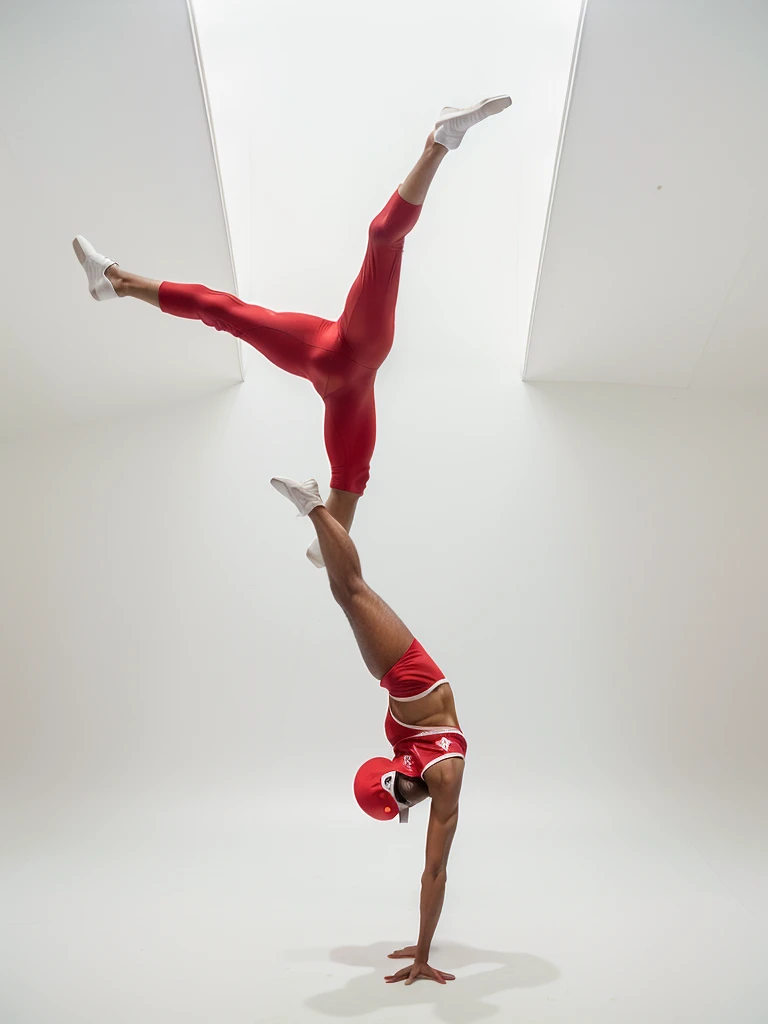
(444, 786)
(443, 819)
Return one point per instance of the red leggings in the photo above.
(340, 357)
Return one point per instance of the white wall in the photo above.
(655, 256)
(586, 565)
(321, 109)
(129, 164)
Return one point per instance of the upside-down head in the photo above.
(385, 793)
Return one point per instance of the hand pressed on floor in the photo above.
(418, 969)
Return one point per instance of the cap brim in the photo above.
(402, 809)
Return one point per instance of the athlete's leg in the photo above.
(296, 342)
(381, 636)
(132, 285)
(367, 327)
(415, 187)
(350, 437)
(367, 324)
(342, 505)
(267, 331)
(350, 432)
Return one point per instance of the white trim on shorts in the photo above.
(443, 757)
(428, 730)
(405, 700)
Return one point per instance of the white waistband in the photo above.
(429, 730)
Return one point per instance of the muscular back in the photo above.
(437, 708)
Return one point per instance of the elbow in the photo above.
(433, 875)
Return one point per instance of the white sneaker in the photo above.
(95, 265)
(315, 555)
(454, 121)
(305, 495)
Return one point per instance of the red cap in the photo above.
(375, 790)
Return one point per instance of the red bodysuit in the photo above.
(340, 358)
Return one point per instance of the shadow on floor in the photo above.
(459, 1002)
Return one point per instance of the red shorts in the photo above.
(417, 748)
(413, 676)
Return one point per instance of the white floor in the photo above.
(209, 915)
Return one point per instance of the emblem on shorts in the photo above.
(407, 761)
(444, 742)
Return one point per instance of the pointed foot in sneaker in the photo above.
(304, 494)
(95, 266)
(454, 122)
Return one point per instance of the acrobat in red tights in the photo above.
(340, 358)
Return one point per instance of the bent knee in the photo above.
(382, 233)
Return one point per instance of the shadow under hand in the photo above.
(459, 1002)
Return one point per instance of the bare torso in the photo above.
(437, 708)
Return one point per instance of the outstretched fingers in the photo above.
(416, 971)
